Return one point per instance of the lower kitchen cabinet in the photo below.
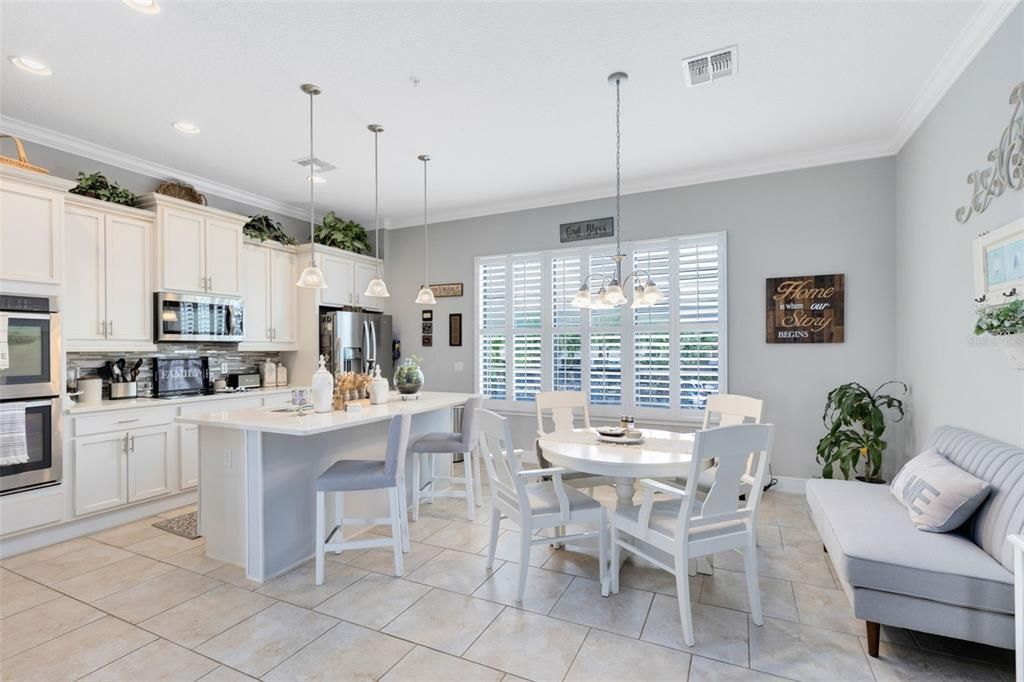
(101, 472)
(150, 463)
(188, 451)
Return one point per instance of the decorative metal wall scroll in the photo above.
(447, 290)
(1007, 163)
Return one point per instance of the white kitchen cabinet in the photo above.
(339, 272)
(108, 297)
(199, 249)
(100, 472)
(364, 273)
(283, 299)
(188, 456)
(31, 226)
(150, 463)
(268, 287)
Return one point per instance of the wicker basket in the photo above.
(22, 161)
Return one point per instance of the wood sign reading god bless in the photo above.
(805, 309)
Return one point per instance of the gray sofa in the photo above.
(957, 584)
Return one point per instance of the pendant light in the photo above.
(376, 288)
(426, 294)
(610, 295)
(312, 277)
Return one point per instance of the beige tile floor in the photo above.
(134, 603)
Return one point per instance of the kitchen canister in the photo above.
(323, 388)
(91, 389)
(378, 388)
(268, 374)
(282, 375)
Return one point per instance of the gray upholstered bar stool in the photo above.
(426, 447)
(349, 475)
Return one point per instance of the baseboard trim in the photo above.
(51, 535)
(790, 484)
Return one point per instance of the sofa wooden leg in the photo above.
(873, 631)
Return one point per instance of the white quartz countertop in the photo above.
(132, 403)
(271, 420)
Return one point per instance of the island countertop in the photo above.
(272, 420)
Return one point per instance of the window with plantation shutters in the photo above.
(661, 361)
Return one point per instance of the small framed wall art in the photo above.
(805, 309)
(455, 329)
(999, 264)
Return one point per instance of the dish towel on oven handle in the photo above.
(5, 353)
(13, 446)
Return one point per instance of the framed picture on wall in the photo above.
(999, 264)
(427, 315)
(455, 329)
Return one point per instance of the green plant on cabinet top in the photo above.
(97, 186)
(263, 227)
(347, 235)
(855, 419)
(998, 320)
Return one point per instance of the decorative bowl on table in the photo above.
(618, 434)
(409, 377)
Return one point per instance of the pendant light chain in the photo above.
(376, 200)
(312, 173)
(618, 167)
(426, 239)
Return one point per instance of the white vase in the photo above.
(1013, 346)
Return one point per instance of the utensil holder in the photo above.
(123, 390)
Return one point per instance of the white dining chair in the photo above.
(562, 407)
(426, 447)
(727, 410)
(351, 475)
(534, 505)
(686, 527)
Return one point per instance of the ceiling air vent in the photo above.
(710, 67)
(319, 164)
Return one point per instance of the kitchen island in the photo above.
(258, 466)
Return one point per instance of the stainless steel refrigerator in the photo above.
(356, 342)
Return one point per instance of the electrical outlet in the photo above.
(223, 368)
(459, 367)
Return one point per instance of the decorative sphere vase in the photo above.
(408, 378)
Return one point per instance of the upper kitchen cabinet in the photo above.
(198, 249)
(108, 263)
(31, 228)
(268, 287)
(347, 275)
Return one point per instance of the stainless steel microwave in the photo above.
(187, 317)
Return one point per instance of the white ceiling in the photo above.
(513, 104)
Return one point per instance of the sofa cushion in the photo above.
(1000, 464)
(873, 545)
(939, 495)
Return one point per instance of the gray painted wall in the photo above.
(831, 219)
(957, 378)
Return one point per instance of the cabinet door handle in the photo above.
(126, 443)
(103, 328)
(133, 443)
(127, 421)
(209, 285)
(110, 327)
(273, 334)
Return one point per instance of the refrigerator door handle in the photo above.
(373, 342)
(366, 341)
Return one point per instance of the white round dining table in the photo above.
(663, 454)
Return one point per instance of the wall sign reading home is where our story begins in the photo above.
(808, 309)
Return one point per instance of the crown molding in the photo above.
(765, 166)
(74, 145)
(982, 25)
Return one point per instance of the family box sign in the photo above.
(807, 309)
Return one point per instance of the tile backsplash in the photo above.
(88, 364)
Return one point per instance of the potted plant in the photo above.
(97, 186)
(1006, 323)
(262, 228)
(855, 419)
(343, 234)
(409, 376)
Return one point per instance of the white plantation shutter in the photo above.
(526, 366)
(526, 295)
(605, 369)
(698, 367)
(661, 362)
(566, 275)
(492, 367)
(652, 380)
(566, 362)
(492, 345)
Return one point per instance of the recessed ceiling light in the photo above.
(186, 127)
(32, 65)
(316, 179)
(144, 6)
